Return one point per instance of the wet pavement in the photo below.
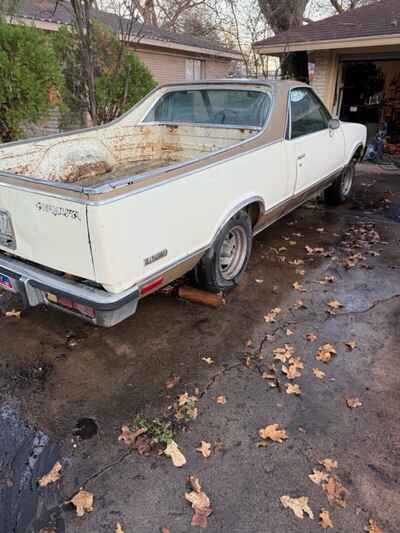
(67, 388)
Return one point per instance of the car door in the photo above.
(315, 150)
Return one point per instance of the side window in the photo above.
(308, 115)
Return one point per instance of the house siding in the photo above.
(170, 68)
(325, 76)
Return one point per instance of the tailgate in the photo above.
(45, 229)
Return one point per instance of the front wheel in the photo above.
(223, 265)
(340, 190)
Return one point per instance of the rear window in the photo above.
(225, 107)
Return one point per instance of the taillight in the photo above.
(152, 285)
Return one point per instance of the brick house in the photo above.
(170, 57)
(355, 63)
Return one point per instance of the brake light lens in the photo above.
(67, 303)
(152, 285)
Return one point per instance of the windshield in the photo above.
(228, 107)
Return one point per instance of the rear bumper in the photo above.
(93, 304)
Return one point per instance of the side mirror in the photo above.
(334, 124)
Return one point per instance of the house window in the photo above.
(195, 69)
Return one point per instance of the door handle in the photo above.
(300, 157)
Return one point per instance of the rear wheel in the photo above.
(223, 265)
(340, 190)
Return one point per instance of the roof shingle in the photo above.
(61, 13)
(379, 18)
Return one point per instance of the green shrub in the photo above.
(29, 72)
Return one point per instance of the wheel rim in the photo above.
(233, 252)
(347, 181)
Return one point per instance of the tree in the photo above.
(120, 78)
(282, 16)
(340, 6)
(29, 74)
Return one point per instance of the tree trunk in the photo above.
(284, 16)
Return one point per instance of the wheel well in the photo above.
(357, 156)
(254, 210)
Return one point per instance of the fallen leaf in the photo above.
(200, 503)
(83, 502)
(293, 389)
(208, 360)
(273, 433)
(172, 382)
(353, 403)
(327, 279)
(325, 353)
(318, 373)
(335, 304)
(221, 399)
(300, 305)
(298, 505)
(184, 398)
(165, 530)
(271, 316)
(119, 529)
(129, 436)
(283, 354)
(289, 332)
(325, 519)
(352, 345)
(320, 230)
(318, 476)
(314, 251)
(373, 527)
(52, 476)
(335, 492)
(47, 530)
(259, 280)
(177, 457)
(311, 337)
(299, 287)
(329, 464)
(13, 314)
(291, 372)
(296, 262)
(296, 362)
(204, 449)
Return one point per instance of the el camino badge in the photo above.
(156, 257)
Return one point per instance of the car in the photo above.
(91, 221)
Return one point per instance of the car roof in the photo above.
(275, 84)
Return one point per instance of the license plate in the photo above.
(6, 282)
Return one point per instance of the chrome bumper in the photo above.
(33, 283)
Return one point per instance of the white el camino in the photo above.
(91, 221)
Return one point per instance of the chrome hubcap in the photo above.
(347, 181)
(233, 253)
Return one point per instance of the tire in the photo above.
(221, 268)
(340, 190)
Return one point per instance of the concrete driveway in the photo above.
(67, 388)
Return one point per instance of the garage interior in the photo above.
(369, 93)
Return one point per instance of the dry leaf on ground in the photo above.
(327, 279)
(291, 372)
(204, 449)
(273, 433)
(335, 492)
(318, 373)
(165, 530)
(335, 304)
(351, 345)
(271, 316)
(13, 314)
(221, 399)
(298, 287)
(296, 362)
(298, 505)
(325, 353)
(293, 389)
(200, 503)
(289, 332)
(325, 519)
(208, 360)
(171, 382)
(184, 398)
(177, 457)
(311, 337)
(353, 403)
(129, 436)
(283, 353)
(47, 530)
(373, 527)
(318, 476)
(119, 529)
(83, 502)
(52, 476)
(329, 464)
